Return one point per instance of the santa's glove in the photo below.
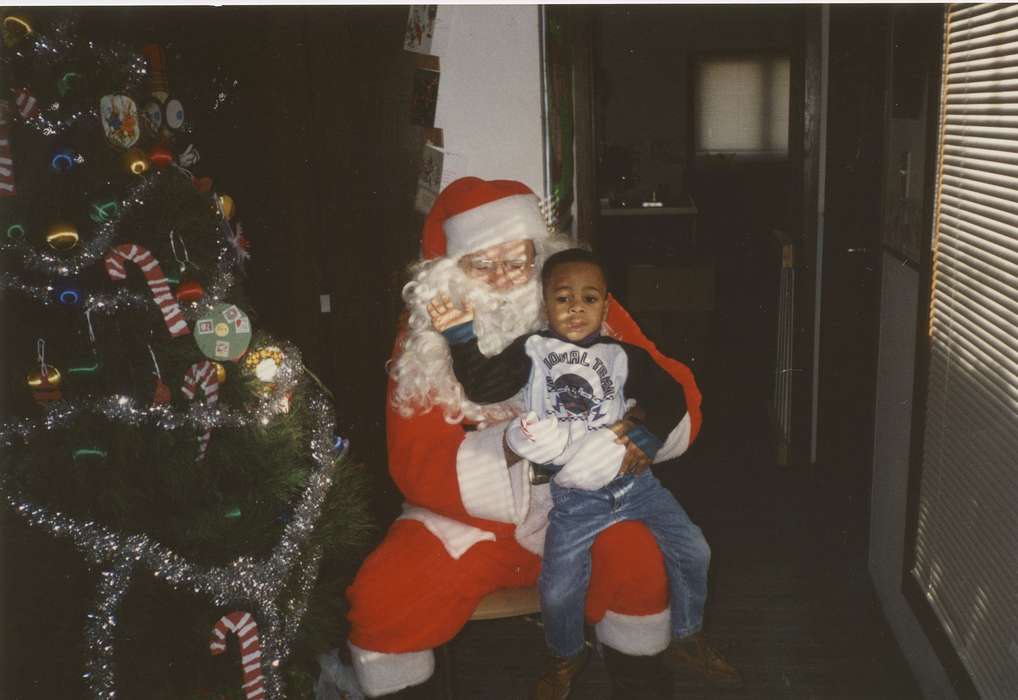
(536, 440)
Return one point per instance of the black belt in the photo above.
(543, 473)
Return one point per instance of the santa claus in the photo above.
(473, 521)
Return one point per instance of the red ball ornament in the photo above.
(160, 156)
(162, 394)
(189, 290)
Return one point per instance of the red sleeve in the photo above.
(422, 455)
(622, 326)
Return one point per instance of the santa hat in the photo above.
(472, 214)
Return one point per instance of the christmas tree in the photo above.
(188, 457)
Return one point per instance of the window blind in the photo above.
(966, 556)
(742, 105)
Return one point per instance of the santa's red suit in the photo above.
(471, 524)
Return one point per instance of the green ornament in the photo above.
(223, 334)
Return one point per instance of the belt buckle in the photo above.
(538, 475)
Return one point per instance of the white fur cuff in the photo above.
(486, 485)
(677, 441)
(636, 635)
(379, 673)
(456, 537)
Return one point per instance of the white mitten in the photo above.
(536, 440)
(591, 462)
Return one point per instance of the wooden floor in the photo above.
(790, 601)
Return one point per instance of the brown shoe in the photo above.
(695, 653)
(559, 671)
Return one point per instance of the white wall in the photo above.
(489, 94)
(891, 438)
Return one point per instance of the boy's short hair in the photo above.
(569, 255)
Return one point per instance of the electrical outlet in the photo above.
(325, 302)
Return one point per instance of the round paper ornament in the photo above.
(120, 120)
(223, 334)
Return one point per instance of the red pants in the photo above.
(410, 595)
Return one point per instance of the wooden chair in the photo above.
(499, 604)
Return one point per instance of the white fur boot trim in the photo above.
(636, 635)
(379, 673)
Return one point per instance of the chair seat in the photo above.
(508, 602)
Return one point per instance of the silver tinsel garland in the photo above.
(291, 569)
(54, 49)
(90, 252)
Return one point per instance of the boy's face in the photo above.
(576, 300)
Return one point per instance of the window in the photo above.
(741, 105)
(965, 547)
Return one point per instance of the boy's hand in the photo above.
(635, 460)
(444, 314)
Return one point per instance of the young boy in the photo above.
(579, 388)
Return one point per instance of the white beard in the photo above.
(423, 373)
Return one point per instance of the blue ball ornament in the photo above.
(64, 159)
(68, 292)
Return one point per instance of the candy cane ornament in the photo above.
(203, 374)
(6, 160)
(243, 625)
(157, 282)
(28, 106)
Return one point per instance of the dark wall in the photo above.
(853, 197)
(643, 58)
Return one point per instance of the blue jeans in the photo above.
(575, 520)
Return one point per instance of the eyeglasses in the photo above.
(486, 265)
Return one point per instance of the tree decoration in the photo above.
(28, 106)
(65, 159)
(6, 158)
(189, 291)
(15, 29)
(265, 363)
(159, 155)
(162, 393)
(189, 157)
(120, 120)
(62, 236)
(69, 82)
(202, 374)
(102, 210)
(45, 384)
(241, 245)
(136, 161)
(99, 243)
(155, 278)
(15, 233)
(226, 206)
(243, 625)
(223, 334)
(68, 292)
